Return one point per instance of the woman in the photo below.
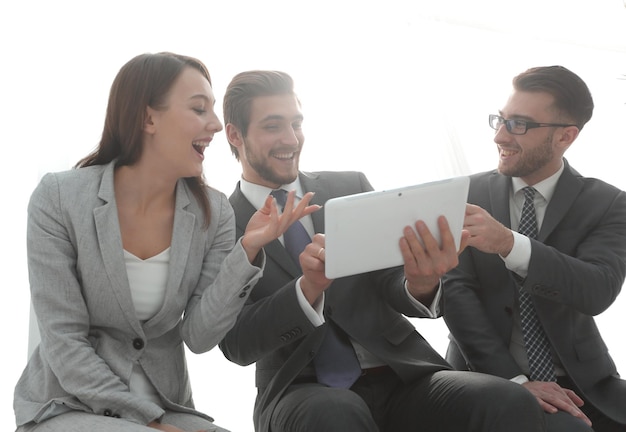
(131, 254)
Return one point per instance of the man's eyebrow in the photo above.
(272, 117)
(517, 117)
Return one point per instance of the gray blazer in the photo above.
(273, 331)
(576, 271)
(90, 335)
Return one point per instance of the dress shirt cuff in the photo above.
(429, 312)
(518, 259)
(520, 379)
(315, 312)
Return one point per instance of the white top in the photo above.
(147, 279)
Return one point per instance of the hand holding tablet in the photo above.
(363, 230)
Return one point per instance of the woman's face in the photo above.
(177, 134)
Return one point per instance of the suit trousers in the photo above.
(445, 401)
(78, 421)
(600, 422)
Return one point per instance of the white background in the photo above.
(398, 89)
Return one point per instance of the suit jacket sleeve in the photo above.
(226, 277)
(576, 270)
(582, 263)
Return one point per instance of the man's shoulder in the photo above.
(334, 183)
(332, 174)
(481, 179)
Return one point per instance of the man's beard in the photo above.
(532, 160)
(264, 170)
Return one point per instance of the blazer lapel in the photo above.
(567, 189)
(111, 247)
(182, 236)
(499, 189)
(311, 182)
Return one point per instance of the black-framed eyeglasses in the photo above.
(519, 127)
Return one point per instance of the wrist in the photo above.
(251, 251)
(507, 244)
(310, 291)
(425, 291)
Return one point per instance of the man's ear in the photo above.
(567, 137)
(233, 135)
(149, 125)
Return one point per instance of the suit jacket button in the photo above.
(242, 295)
(138, 343)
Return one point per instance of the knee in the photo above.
(513, 408)
(565, 422)
(324, 410)
(509, 395)
(340, 403)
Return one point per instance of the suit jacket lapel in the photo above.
(311, 182)
(567, 189)
(182, 236)
(111, 248)
(499, 190)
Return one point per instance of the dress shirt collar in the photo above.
(545, 187)
(257, 194)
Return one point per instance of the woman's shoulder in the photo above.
(75, 175)
(76, 186)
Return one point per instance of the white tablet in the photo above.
(363, 230)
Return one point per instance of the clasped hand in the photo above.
(552, 398)
(266, 224)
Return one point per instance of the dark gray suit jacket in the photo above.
(576, 271)
(273, 331)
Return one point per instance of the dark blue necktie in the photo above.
(335, 363)
(295, 238)
(535, 339)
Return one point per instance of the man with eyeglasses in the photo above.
(547, 252)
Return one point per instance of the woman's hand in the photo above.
(267, 225)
